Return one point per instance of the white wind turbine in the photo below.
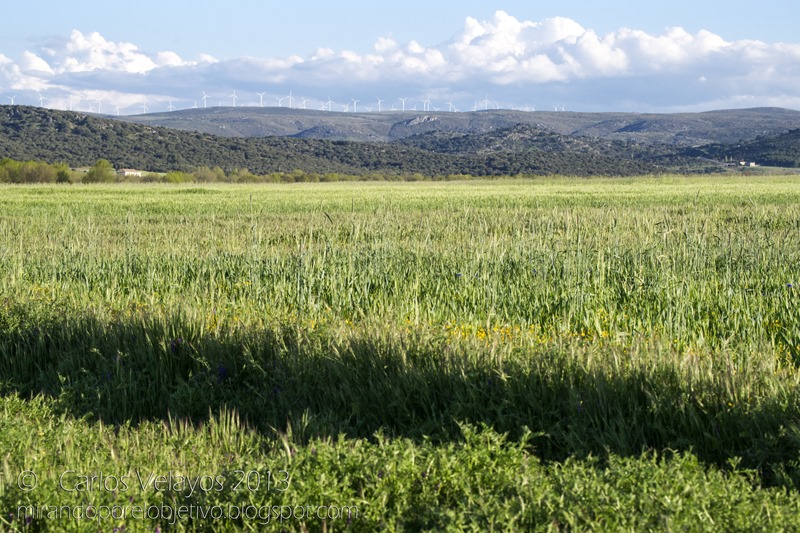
(144, 105)
(451, 107)
(41, 100)
(379, 104)
(205, 100)
(330, 103)
(355, 105)
(234, 97)
(117, 109)
(170, 107)
(291, 99)
(99, 106)
(404, 102)
(426, 104)
(346, 108)
(11, 98)
(261, 99)
(280, 100)
(303, 102)
(195, 105)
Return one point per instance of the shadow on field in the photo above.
(128, 372)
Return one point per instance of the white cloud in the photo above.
(516, 62)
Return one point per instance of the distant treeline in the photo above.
(102, 171)
(33, 172)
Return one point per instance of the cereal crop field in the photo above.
(554, 354)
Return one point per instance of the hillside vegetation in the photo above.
(424, 146)
(28, 133)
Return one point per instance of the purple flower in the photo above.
(175, 344)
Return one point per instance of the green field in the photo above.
(555, 354)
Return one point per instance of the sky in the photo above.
(617, 55)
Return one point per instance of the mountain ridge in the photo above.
(682, 129)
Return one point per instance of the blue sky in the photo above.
(585, 56)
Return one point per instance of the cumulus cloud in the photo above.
(555, 61)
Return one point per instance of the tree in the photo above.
(63, 173)
(101, 172)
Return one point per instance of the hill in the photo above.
(681, 129)
(31, 133)
(778, 150)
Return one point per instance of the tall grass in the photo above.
(600, 318)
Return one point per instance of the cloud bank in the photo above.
(502, 62)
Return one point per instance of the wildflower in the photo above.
(458, 275)
(175, 344)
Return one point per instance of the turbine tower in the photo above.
(330, 103)
(234, 97)
(355, 105)
(144, 105)
(11, 98)
(261, 99)
(404, 102)
(205, 100)
(379, 104)
(170, 107)
(41, 100)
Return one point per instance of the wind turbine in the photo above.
(170, 107)
(280, 100)
(451, 107)
(261, 99)
(346, 108)
(41, 100)
(205, 100)
(234, 97)
(426, 104)
(195, 105)
(117, 109)
(330, 103)
(99, 105)
(144, 105)
(303, 102)
(11, 98)
(291, 99)
(404, 102)
(355, 105)
(379, 104)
